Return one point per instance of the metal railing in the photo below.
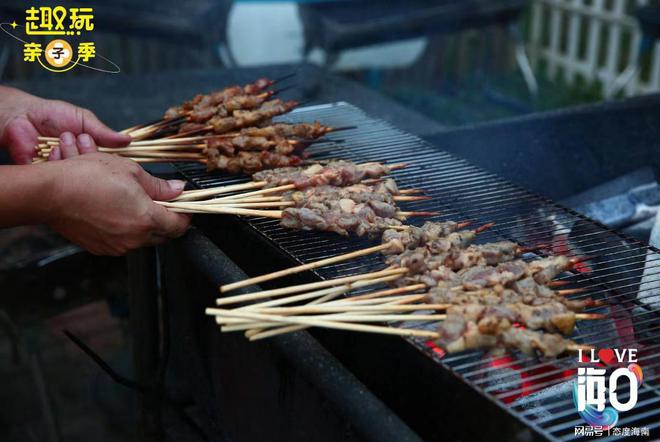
(598, 40)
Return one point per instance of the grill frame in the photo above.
(470, 190)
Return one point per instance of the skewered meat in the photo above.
(452, 253)
(437, 254)
(190, 127)
(360, 193)
(484, 254)
(542, 270)
(415, 237)
(241, 118)
(358, 208)
(499, 295)
(229, 146)
(342, 217)
(460, 334)
(249, 162)
(335, 173)
(202, 114)
(482, 276)
(551, 316)
(208, 102)
(301, 130)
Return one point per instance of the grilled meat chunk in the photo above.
(335, 173)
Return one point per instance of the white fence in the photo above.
(596, 39)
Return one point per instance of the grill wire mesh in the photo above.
(622, 271)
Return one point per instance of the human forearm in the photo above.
(26, 194)
(101, 202)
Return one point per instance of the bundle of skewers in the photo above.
(229, 130)
(338, 196)
(482, 296)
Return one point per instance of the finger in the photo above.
(160, 190)
(169, 224)
(52, 117)
(102, 134)
(55, 154)
(20, 137)
(86, 144)
(68, 145)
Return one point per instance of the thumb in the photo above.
(161, 190)
(102, 134)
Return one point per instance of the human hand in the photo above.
(24, 117)
(104, 203)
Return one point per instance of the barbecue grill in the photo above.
(531, 397)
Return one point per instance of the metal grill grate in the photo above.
(622, 271)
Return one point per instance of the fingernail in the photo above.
(176, 185)
(67, 139)
(85, 141)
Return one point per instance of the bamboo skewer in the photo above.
(384, 300)
(323, 293)
(228, 210)
(320, 295)
(266, 191)
(254, 204)
(169, 160)
(324, 324)
(339, 308)
(385, 293)
(566, 292)
(258, 198)
(372, 315)
(310, 286)
(304, 267)
(327, 300)
(293, 328)
(183, 207)
(410, 198)
(204, 193)
(406, 214)
(398, 303)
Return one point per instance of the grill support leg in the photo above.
(143, 305)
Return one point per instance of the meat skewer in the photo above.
(337, 173)
(250, 162)
(239, 119)
(492, 296)
(548, 318)
(357, 208)
(215, 148)
(361, 221)
(553, 316)
(415, 237)
(385, 191)
(509, 273)
(459, 334)
(307, 131)
(202, 101)
(391, 240)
